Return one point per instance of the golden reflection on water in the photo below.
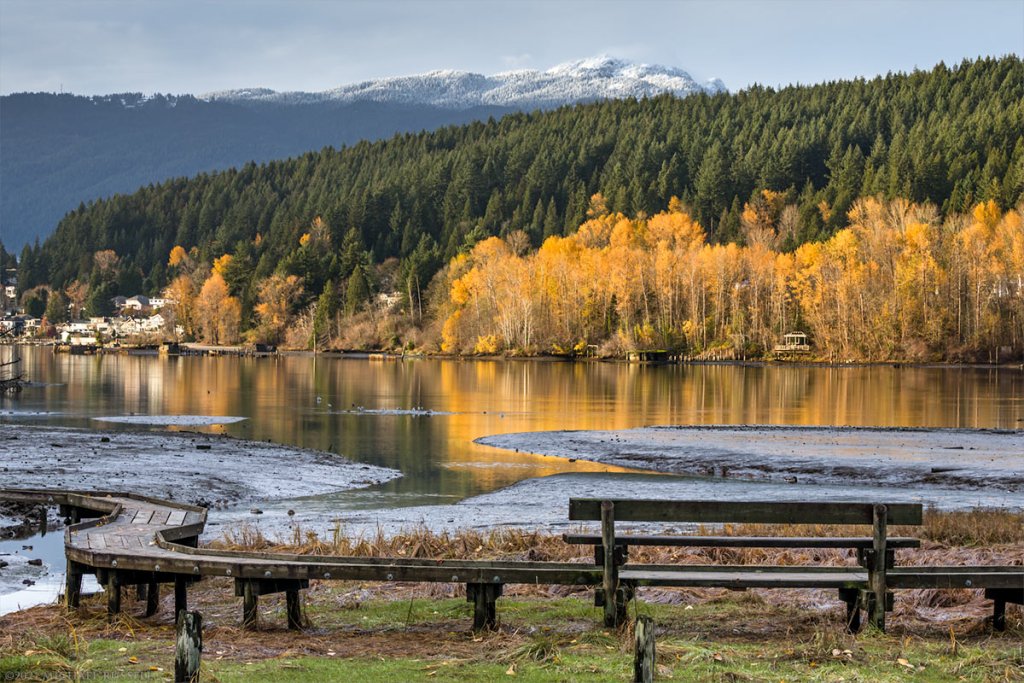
(479, 398)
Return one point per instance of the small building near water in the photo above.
(793, 342)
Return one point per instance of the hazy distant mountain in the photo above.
(57, 151)
(578, 81)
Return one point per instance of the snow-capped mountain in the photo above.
(579, 81)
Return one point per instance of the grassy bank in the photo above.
(410, 632)
(734, 637)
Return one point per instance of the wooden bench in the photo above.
(863, 586)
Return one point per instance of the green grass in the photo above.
(543, 639)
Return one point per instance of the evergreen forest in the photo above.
(375, 244)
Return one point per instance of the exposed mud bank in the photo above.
(202, 469)
(917, 459)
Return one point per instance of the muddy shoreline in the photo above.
(214, 471)
(953, 459)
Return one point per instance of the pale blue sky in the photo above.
(195, 46)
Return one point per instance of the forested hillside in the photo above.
(335, 221)
(59, 150)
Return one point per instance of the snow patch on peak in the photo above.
(582, 80)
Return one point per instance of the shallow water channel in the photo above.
(422, 416)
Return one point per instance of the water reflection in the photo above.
(436, 452)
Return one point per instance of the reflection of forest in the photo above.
(436, 452)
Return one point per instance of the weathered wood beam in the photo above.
(644, 650)
(188, 647)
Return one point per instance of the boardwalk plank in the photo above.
(176, 518)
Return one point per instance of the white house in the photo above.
(136, 303)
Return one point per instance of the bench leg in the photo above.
(851, 596)
(999, 598)
(620, 604)
(869, 603)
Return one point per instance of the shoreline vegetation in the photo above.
(382, 632)
(899, 284)
(386, 354)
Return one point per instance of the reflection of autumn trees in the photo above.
(897, 283)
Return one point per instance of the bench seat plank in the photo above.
(797, 577)
(745, 541)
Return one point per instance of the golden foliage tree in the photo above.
(217, 313)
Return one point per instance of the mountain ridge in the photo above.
(62, 150)
(580, 80)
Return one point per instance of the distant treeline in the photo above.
(387, 216)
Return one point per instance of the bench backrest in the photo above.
(740, 512)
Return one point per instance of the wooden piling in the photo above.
(250, 603)
(113, 588)
(152, 598)
(180, 596)
(188, 647)
(643, 651)
(294, 609)
(72, 585)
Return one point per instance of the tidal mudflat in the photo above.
(203, 469)
(909, 458)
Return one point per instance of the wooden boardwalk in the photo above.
(127, 539)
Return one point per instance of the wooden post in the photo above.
(152, 598)
(250, 602)
(610, 583)
(72, 585)
(189, 647)
(294, 609)
(876, 572)
(643, 653)
(113, 595)
(484, 597)
(851, 596)
(180, 596)
(998, 611)
(141, 591)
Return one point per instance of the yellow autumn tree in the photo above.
(218, 314)
(276, 296)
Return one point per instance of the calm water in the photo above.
(476, 398)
